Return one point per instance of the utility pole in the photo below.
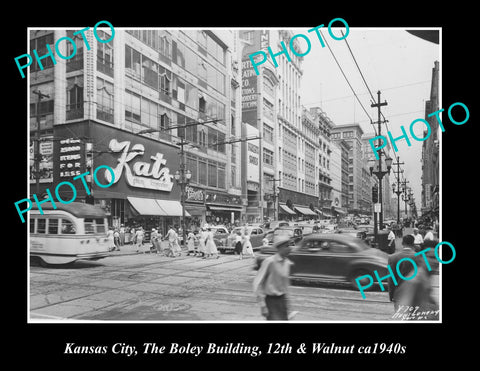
(379, 105)
(40, 95)
(398, 163)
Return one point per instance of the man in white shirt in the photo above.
(418, 239)
(429, 235)
(272, 282)
(391, 241)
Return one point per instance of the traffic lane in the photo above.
(182, 289)
(68, 292)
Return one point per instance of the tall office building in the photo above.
(128, 103)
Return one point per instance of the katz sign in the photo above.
(153, 174)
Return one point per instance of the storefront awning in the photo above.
(319, 212)
(149, 206)
(305, 210)
(287, 209)
(172, 208)
(146, 206)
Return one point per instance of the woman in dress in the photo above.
(191, 243)
(210, 245)
(247, 246)
(201, 242)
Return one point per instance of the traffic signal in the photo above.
(375, 194)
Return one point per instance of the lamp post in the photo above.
(407, 196)
(183, 177)
(379, 173)
(398, 191)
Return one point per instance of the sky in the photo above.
(391, 60)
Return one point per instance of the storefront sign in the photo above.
(151, 175)
(70, 157)
(194, 194)
(222, 198)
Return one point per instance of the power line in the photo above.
(385, 121)
(346, 79)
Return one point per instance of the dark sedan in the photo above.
(332, 257)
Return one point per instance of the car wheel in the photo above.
(358, 273)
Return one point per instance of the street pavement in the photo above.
(131, 286)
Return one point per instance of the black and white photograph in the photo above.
(171, 166)
(255, 191)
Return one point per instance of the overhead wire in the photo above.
(346, 79)
(385, 121)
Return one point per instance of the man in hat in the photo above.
(272, 281)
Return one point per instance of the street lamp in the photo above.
(183, 179)
(398, 192)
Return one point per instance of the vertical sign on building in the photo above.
(258, 40)
(71, 158)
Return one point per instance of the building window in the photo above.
(191, 164)
(165, 46)
(150, 72)
(202, 171)
(149, 113)
(221, 176)
(133, 61)
(76, 62)
(233, 176)
(268, 109)
(74, 108)
(267, 133)
(40, 45)
(132, 107)
(104, 55)
(212, 174)
(215, 50)
(267, 157)
(105, 97)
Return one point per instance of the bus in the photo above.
(68, 233)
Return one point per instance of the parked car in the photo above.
(332, 257)
(220, 234)
(256, 236)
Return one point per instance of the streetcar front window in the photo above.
(100, 225)
(89, 227)
(68, 227)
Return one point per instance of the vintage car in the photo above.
(256, 235)
(331, 257)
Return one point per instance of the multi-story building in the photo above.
(324, 171)
(130, 104)
(352, 134)
(430, 154)
(339, 174)
(271, 106)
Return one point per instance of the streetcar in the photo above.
(68, 233)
